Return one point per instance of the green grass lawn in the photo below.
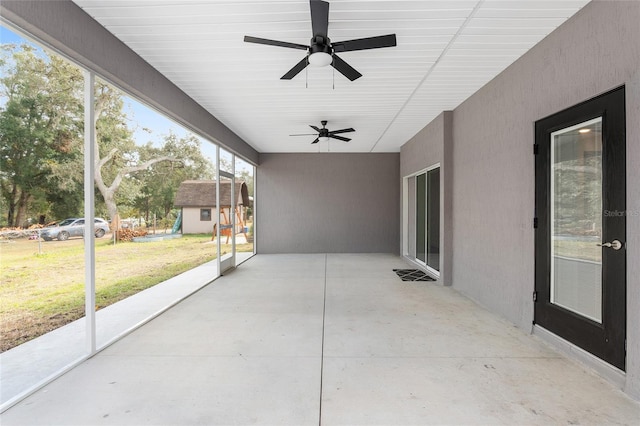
(42, 285)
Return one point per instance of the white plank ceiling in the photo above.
(447, 50)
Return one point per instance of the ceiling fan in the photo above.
(324, 134)
(321, 52)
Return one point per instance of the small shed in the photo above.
(197, 199)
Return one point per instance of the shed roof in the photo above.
(202, 193)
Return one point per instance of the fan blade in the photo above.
(314, 128)
(304, 134)
(333, 132)
(340, 138)
(365, 43)
(268, 42)
(319, 17)
(296, 69)
(344, 68)
(316, 141)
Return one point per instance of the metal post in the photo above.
(219, 251)
(89, 213)
(254, 209)
(232, 209)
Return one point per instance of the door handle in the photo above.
(615, 244)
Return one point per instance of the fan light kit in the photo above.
(321, 52)
(320, 59)
(325, 134)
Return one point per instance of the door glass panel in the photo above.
(433, 219)
(421, 211)
(576, 218)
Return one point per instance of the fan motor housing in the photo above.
(320, 44)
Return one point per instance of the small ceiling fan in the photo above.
(324, 134)
(321, 52)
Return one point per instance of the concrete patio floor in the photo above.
(326, 339)
(37, 360)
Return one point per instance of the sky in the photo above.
(7, 36)
(141, 115)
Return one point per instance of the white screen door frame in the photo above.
(227, 261)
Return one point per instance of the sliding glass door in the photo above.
(433, 219)
(421, 218)
(422, 232)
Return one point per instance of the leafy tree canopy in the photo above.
(41, 149)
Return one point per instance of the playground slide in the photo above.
(177, 224)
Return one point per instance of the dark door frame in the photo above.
(605, 340)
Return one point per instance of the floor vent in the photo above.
(412, 275)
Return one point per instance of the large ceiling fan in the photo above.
(321, 52)
(324, 134)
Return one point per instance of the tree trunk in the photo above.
(11, 208)
(109, 200)
(21, 213)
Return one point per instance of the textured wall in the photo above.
(493, 186)
(433, 145)
(328, 203)
(425, 149)
(633, 231)
(65, 27)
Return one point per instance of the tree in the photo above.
(161, 181)
(41, 135)
(40, 129)
(117, 156)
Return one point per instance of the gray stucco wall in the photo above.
(425, 149)
(493, 185)
(433, 145)
(328, 203)
(633, 232)
(65, 27)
